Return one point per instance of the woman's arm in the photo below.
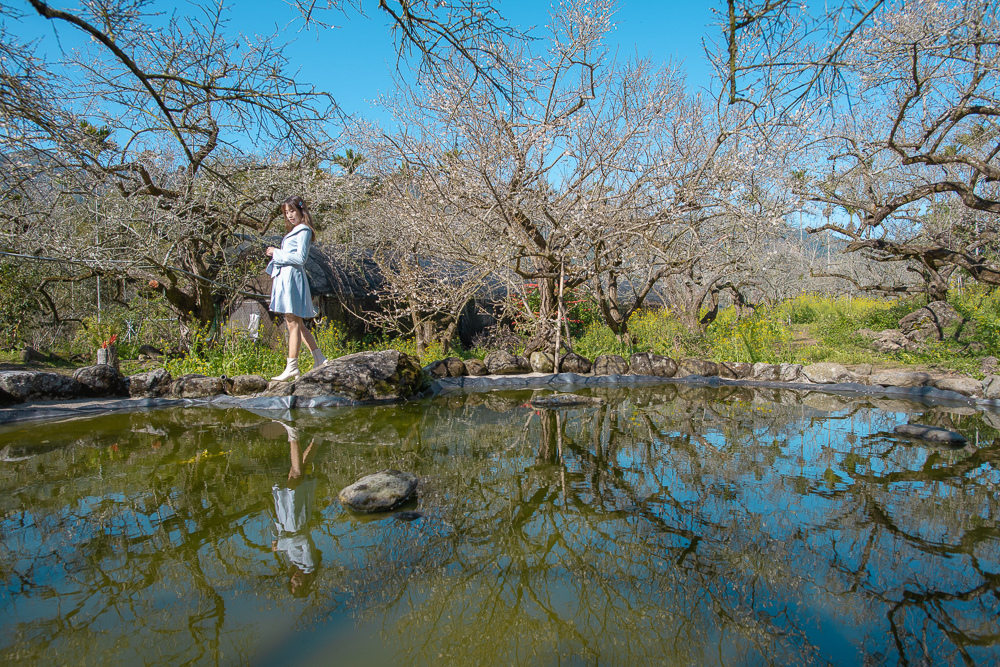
(294, 249)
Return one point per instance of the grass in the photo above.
(807, 329)
(829, 325)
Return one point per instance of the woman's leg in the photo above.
(298, 333)
(294, 324)
(308, 338)
(295, 327)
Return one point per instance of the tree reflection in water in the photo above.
(674, 524)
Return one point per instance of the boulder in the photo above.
(541, 362)
(963, 385)
(572, 362)
(152, 384)
(687, 367)
(765, 372)
(790, 372)
(456, 368)
(277, 388)
(862, 370)
(39, 386)
(646, 363)
(364, 376)
(437, 369)
(735, 370)
(989, 365)
(150, 352)
(991, 387)
(475, 367)
(900, 379)
(30, 354)
(929, 322)
(610, 364)
(247, 385)
(931, 434)
(828, 373)
(379, 492)
(893, 340)
(102, 380)
(502, 362)
(197, 386)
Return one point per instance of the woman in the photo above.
(289, 286)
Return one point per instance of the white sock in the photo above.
(318, 357)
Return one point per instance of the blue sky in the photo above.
(355, 61)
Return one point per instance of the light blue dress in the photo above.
(289, 284)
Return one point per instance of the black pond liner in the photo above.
(279, 407)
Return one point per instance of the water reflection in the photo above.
(293, 508)
(672, 524)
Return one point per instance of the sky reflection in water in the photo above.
(667, 526)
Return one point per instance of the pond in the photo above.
(667, 525)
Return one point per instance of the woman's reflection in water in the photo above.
(293, 504)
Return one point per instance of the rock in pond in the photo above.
(828, 373)
(452, 367)
(456, 367)
(572, 362)
(502, 362)
(931, 434)
(765, 372)
(437, 369)
(379, 492)
(246, 385)
(564, 401)
(101, 380)
(963, 385)
(790, 373)
(386, 375)
(645, 363)
(39, 386)
(198, 386)
(991, 386)
(610, 364)
(152, 384)
(6, 399)
(686, 367)
(541, 362)
(735, 370)
(900, 379)
(475, 367)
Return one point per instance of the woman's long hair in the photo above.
(298, 204)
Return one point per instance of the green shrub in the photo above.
(657, 330)
(598, 339)
(16, 303)
(230, 352)
(760, 337)
(982, 307)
